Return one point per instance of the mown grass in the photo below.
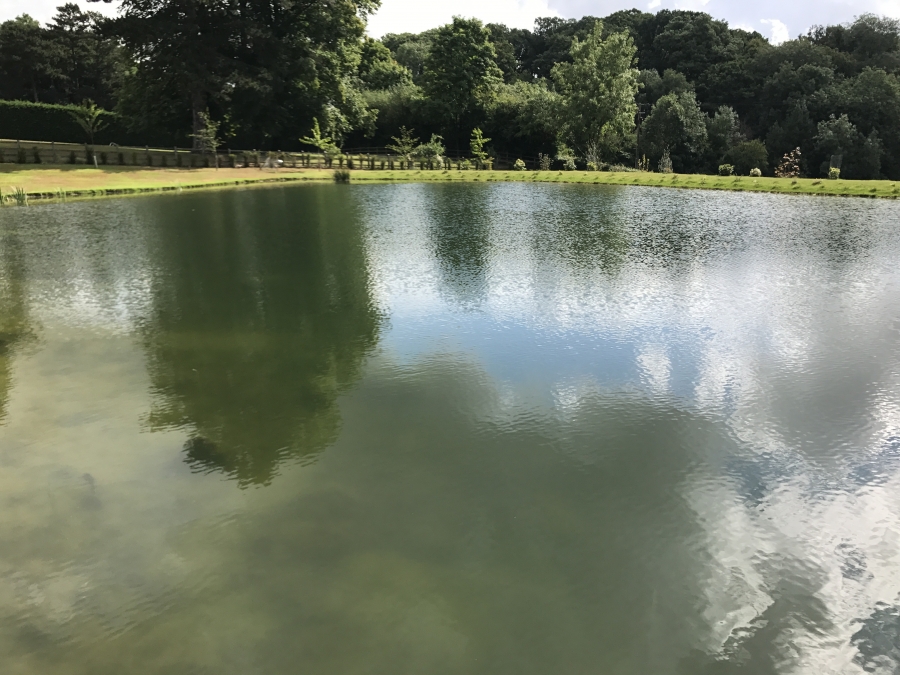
(73, 181)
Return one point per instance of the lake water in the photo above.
(426, 429)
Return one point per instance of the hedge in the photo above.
(22, 120)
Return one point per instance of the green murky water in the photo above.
(406, 429)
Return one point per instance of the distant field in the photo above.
(75, 181)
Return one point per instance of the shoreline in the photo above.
(58, 183)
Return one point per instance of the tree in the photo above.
(723, 131)
(477, 144)
(860, 156)
(90, 118)
(676, 125)
(460, 72)
(378, 69)
(597, 92)
(324, 144)
(26, 59)
(747, 156)
(404, 144)
(208, 137)
(272, 66)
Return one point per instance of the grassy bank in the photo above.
(69, 181)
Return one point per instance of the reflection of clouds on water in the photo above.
(770, 313)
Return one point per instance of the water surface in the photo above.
(450, 429)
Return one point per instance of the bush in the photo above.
(72, 158)
(726, 169)
(341, 176)
(519, 165)
(755, 173)
(47, 122)
(748, 155)
(21, 156)
(104, 158)
(665, 163)
(834, 173)
(36, 155)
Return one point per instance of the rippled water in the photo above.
(450, 429)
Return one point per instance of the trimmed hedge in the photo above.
(22, 120)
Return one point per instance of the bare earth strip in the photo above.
(52, 182)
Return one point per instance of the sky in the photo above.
(776, 19)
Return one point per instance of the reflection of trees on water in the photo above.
(14, 324)
(260, 318)
(878, 640)
(460, 234)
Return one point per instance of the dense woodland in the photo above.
(630, 88)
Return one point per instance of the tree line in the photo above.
(674, 89)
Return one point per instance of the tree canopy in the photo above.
(263, 70)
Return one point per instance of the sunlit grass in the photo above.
(52, 182)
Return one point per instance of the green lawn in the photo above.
(78, 181)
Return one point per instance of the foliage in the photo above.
(341, 176)
(404, 144)
(859, 156)
(477, 145)
(432, 150)
(676, 126)
(460, 72)
(90, 118)
(544, 161)
(790, 165)
(834, 173)
(665, 162)
(726, 170)
(519, 165)
(748, 155)
(318, 140)
(755, 172)
(597, 92)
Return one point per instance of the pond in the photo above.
(491, 429)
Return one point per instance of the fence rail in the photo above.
(45, 152)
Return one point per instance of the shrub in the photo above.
(21, 156)
(755, 173)
(519, 165)
(465, 165)
(36, 155)
(665, 163)
(726, 169)
(790, 165)
(104, 158)
(748, 155)
(72, 158)
(544, 161)
(341, 176)
(834, 173)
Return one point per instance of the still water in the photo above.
(428, 429)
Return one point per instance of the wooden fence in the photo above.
(42, 152)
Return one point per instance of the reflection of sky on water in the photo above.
(778, 317)
(772, 321)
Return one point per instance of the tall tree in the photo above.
(461, 73)
(26, 59)
(272, 65)
(597, 90)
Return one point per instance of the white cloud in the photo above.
(654, 4)
(398, 16)
(779, 32)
